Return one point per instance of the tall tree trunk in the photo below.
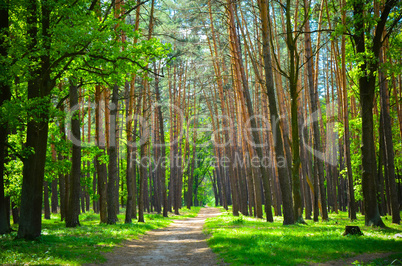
(112, 198)
(39, 88)
(256, 137)
(5, 95)
(130, 171)
(73, 210)
(367, 83)
(315, 110)
(284, 178)
(143, 173)
(194, 146)
(61, 175)
(54, 183)
(100, 165)
(163, 148)
(346, 141)
(389, 146)
(227, 137)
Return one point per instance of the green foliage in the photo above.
(13, 180)
(244, 240)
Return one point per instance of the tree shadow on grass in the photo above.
(256, 242)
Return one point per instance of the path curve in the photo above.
(182, 243)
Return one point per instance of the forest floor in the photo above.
(362, 258)
(182, 243)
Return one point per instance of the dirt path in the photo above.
(182, 243)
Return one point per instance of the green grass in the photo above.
(244, 240)
(84, 244)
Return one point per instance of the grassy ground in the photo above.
(84, 244)
(243, 240)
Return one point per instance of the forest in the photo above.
(131, 111)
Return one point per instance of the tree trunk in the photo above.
(191, 177)
(54, 196)
(314, 110)
(143, 173)
(284, 179)
(46, 200)
(54, 183)
(346, 141)
(367, 83)
(163, 148)
(100, 165)
(112, 198)
(73, 209)
(5, 95)
(37, 129)
(388, 144)
(255, 135)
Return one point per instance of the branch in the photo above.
(15, 152)
(381, 26)
(141, 66)
(391, 28)
(108, 11)
(58, 76)
(92, 7)
(131, 9)
(67, 55)
(58, 106)
(128, 59)
(314, 31)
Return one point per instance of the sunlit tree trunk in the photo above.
(101, 167)
(246, 95)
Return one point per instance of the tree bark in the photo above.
(100, 166)
(314, 109)
(39, 88)
(367, 83)
(163, 148)
(388, 144)
(346, 141)
(61, 175)
(46, 204)
(73, 209)
(5, 95)
(255, 135)
(54, 196)
(284, 178)
(112, 198)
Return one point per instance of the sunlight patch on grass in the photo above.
(246, 240)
